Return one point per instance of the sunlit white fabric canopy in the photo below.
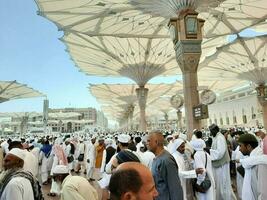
(116, 99)
(139, 59)
(102, 18)
(244, 59)
(142, 18)
(10, 90)
(172, 8)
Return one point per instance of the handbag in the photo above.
(80, 157)
(240, 169)
(70, 158)
(204, 185)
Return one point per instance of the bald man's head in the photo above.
(132, 179)
(133, 165)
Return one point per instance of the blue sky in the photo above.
(31, 53)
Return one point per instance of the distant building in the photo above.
(238, 108)
(75, 119)
(59, 120)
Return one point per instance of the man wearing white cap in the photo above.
(203, 160)
(107, 154)
(17, 184)
(90, 151)
(185, 172)
(123, 142)
(81, 151)
(73, 187)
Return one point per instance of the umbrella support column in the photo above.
(131, 111)
(191, 99)
(187, 38)
(142, 97)
(264, 115)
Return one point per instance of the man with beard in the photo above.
(252, 188)
(73, 187)
(16, 184)
(91, 158)
(220, 164)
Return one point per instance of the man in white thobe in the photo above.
(91, 156)
(251, 187)
(73, 187)
(236, 156)
(80, 156)
(31, 163)
(14, 186)
(220, 164)
(202, 160)
(183, 167)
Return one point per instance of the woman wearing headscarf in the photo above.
(201, 158)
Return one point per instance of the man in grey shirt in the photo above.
(164, 169)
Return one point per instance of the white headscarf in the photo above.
(176, 143)
(198, 144)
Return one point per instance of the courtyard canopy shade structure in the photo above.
(139, 59)
(244, 59)
(119, 98)
(148, 19)
(10, 90)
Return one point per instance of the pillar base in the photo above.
(141, 93)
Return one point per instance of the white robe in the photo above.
(91, 156)
(147, 158)
(18, 188)
(199, 162)
(251, 166)
(237, 155)
(54, 187)
(31, 163)
(181, 167)
(183, 172)
(44, 166)
(221, 174)
(67, 153)
(77, 188)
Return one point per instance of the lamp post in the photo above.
(186, 34)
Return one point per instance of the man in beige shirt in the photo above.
(73, 187)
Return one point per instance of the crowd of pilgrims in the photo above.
(79, 166)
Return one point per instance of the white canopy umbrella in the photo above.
(243, 59)
(119, 100)
(10, 90)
